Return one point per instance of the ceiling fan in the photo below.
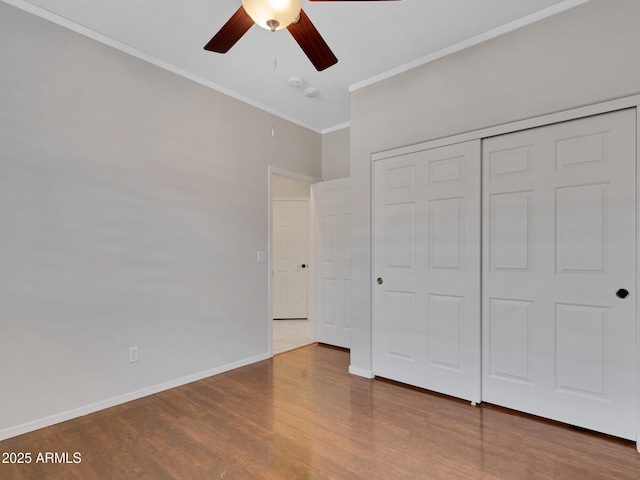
(276, 15)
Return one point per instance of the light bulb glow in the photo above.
(285, 12)
(279, 5)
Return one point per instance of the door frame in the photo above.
(622, 103)
(281, 172)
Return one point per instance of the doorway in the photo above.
(291, 248)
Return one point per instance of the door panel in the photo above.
(511, 231)
(290, 250)
(445, 333)
(333, 266)
(559, 236)
(427, 256)
(511, 324)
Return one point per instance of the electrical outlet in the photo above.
(134, 354)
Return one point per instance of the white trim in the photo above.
(632, 101)
(311, 262)
(112, 402)
(372, 266)
(637, 276)
(296, 176)
(483, 37)
(270, 173)
(335, 128)
(360, 372)
(298, 199)
(111, 42)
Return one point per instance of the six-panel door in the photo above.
(558, 243)
(333, 265)
(290, 250)
(427, 269)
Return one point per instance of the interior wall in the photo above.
(289, 187)
(336, 154)
(132, 205)
(582, 56)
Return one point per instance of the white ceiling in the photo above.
(372, 40)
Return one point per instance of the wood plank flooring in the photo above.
(300, 415)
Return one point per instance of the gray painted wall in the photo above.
(336, 154)
(582, 56)
(132, 204)
(289, 187)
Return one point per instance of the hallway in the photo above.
(290, 334)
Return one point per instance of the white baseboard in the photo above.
(360, 372)
(128, 397)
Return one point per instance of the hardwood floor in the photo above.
(300, 415)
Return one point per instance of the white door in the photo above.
(559, 242)
(427, 258)
(290, 248)
(332, 264)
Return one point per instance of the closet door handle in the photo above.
(379, 280)
(622, 293)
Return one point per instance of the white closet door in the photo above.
(427, 256)
(559, 242)
(290, 250)
(333, 262)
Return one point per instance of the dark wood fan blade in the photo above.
(230, 32)
(312, 43)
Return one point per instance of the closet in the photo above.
(505, 270)
(427, 267)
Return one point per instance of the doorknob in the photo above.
(379, 280)
(303, 265)
(622, 293)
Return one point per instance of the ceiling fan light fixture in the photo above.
(272, 14)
